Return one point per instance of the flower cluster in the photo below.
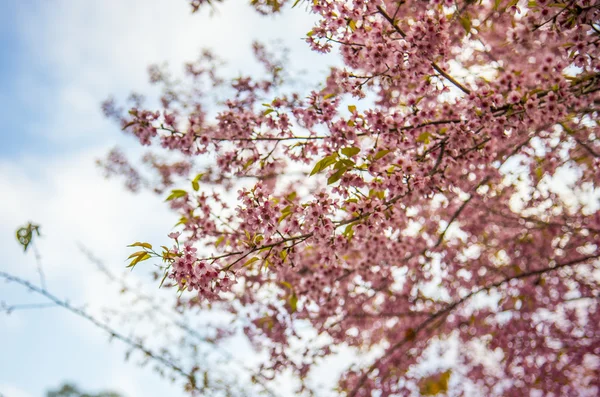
(440, 186)
(202, 276)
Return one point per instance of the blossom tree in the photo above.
(439, 189)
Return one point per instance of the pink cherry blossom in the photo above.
(454, 199)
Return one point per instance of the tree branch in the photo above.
(161, 360)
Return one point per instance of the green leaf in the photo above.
(182, 221)
(138, 244)
(377, 193)
(349, 231)
(283, 254)
(266, 112)
(250, 261)
(283, 216)
(248, 163)
(424, 137)
(196, 181)
(352, 108)
(435, 384)
(352, 25)
(324, 163)
(350, 151)
(539, 172)
(136, 254)
(219, 241)
(567, 129)
(287, 211)
(139, 259)
(128, 125)
(465, 21)
(198, 177)
(293, 302)
(166, 254)
(177, 193)
(344, 163)
(142, 258)
(25, 235)
(266, 263)
(291, 196)
(336, 176)
(286, 285)
(380, 154)
(266, 320)
(328, 96)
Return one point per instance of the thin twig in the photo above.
(40, 270)
(104, 327)
(11, 308)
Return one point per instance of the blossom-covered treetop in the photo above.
(439, 188)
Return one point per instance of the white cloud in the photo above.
(73, 202)
(93, 49)
(12, 391)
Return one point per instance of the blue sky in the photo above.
(14, 55)
(58, 60)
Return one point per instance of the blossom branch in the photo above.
(434, 65)
(444, 312)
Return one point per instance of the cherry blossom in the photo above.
(441, 186)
